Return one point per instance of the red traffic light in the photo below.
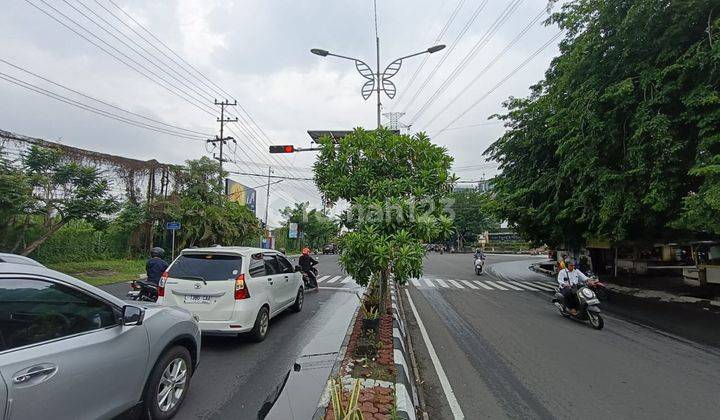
(286, 148)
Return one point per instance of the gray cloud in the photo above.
(259, 52)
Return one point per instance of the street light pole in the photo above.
(377, 81)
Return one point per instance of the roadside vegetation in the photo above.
(62, 212)
(315, 229)
(103, 271)
(621, 140)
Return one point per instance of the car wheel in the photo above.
(259, 331)
(168, 384)
(299, 299)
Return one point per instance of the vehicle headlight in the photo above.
(588, 293)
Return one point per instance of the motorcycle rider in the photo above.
(479, 254)
(307, 263)
(155, 265)
(567, 278)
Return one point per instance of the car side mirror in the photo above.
(298, 269)
(132, 315)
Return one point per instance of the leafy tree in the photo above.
(621, 140)
(62, 191)
(206, 215)
(15, 197)
(316, 227)
(394, 184)
(473, 214)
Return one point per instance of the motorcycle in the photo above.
(479, 263)
(143, 291)
(588, 306)
(598, 287)
(310, 281)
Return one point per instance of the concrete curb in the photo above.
(406, 394)
(335, 371)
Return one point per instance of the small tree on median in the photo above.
(395, 185)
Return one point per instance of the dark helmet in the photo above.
(157, 252)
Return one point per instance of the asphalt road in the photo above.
(237, 378)
(509, 354)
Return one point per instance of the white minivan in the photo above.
(232, 290)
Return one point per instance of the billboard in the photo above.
(293, 231)
(236, 191)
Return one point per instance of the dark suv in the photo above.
(329, 249)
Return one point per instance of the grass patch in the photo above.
(103, 271)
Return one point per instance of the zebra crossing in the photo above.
(495, 285)
(343, 281)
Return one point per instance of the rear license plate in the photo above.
(197, 299)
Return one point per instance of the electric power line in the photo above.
(101, 101)
(479, 45)
(489, 65)
(426, 57)
(450, 49)
(501, 82)
(90, 108)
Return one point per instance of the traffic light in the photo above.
(286, 148)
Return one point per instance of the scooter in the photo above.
(588, 307)
(310, 281)
(479, 263)
(598, 287)
(143, 291)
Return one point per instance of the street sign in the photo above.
(293, 231)
(173, 226)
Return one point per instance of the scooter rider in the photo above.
(155, 266)
(307, 263)
(479, 254)
(567, 278)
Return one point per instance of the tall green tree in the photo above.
(51, 191)
(394, 184)
(207, 217)
(621, 140)
(316, 227)
(15, 197)
(472, 214)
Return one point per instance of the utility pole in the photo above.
(221, 139)
(267, 197)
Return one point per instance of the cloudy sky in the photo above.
(258, 53)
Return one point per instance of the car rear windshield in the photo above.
(207, 267)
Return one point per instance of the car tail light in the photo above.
(241, 290)
(161, 284)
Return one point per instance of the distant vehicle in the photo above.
(18, 259)
(69, 350)
(329, 249)
(232, 290)
(479, 263)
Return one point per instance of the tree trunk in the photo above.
(39, 241)
(21, 236)
(382, 287)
